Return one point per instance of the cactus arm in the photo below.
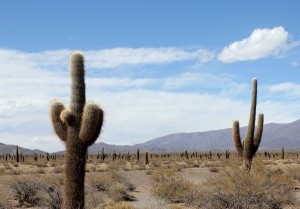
(91, 123)
(251, 125)
(237, 138)
(58, 126)
(66, 117)
(258, 134)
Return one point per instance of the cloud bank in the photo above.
(260, 44)
(137, 108)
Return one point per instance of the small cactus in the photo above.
(78, 127)
(227, 154)
(102, 154)
(146, 158)
(282, 153)
(137, 154)
(17, 155)
(249, 146)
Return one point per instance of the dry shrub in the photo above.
(118, 192)
(141, 167)
(51, 191)
(40, 170)
(247, 190)
(99, 182)
(294, 172)
(5, 203)
(176, 206)
(117, 177)
(2, 171)
(93, 197)
(15, 164)
(58, 169)
(25, 191)
(41, 164)
(52, 164)
(29, 191)
(173, 188)
(111, 184)
(93, 168)
(148, 172)
(118, 205)
(213, 169)
(15, 172)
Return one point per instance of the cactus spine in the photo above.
(78, 127)
(248, 148)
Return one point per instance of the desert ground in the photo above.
(168, 181)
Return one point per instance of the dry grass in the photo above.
(173, 188)
(177, 180)
(240, 189)
(118, 205)
(37, 191)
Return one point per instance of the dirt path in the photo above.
(144, 197)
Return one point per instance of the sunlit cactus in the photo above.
(78, 127)
(250, 144)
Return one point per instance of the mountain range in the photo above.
(275, 136)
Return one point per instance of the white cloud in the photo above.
(105, 58)
(137, 56)
(261, 43)
(287, 88)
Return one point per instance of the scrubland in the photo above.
(170, 180)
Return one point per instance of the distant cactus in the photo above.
(249, 146)
(227, 154)
(102, 154)
(146, 158)
(17, 154)
(78, 127)
(186, 154)
(137, 154)
(282, 153)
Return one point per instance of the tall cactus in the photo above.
(248, 148)
(78, 127)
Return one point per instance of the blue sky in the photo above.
(155, 67)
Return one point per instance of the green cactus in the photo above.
(78, 127)
(248, 148)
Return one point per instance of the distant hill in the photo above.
(275, 136)
(11, 149)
